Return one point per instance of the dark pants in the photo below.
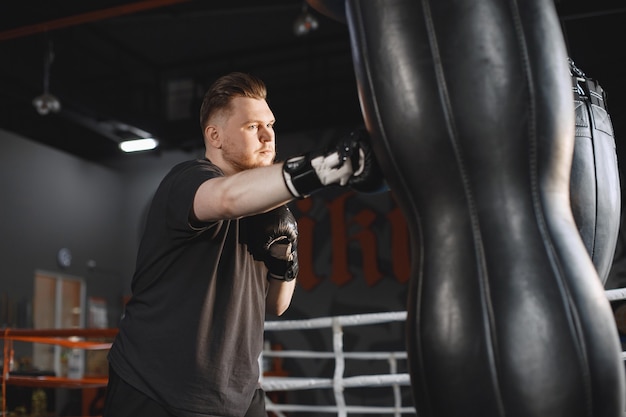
(122, 400)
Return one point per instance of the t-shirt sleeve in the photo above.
(183, 188)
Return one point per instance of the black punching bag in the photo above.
(595, 185)
(470, 109)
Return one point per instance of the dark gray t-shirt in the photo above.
(193, 328)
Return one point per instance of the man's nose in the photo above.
(266, 134)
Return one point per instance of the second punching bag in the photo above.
(595, 185)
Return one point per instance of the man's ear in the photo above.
(212, 136)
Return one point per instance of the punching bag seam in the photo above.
(353, 23)
(483, 280)
(593, 130)
(357, 31)
(576, 328)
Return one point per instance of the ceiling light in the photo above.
(138, 145)
(305, 22)
(46, 102)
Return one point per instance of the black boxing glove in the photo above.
(350, 161)
(272, 237)
(370, 178)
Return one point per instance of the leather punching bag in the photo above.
(470, 108)
(595, 186)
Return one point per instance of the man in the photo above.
(218, 252)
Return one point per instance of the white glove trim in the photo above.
(331, 170)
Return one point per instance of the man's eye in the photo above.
(252, 127)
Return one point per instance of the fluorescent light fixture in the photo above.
(138, 145)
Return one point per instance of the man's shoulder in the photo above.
(196, 165)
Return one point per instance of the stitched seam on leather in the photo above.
(570, 310)
(362, 35)
(483, 279)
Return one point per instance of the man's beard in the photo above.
(242, 161)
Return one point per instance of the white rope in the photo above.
(340, 365)
(310, 354)
(269, 405)
(393, 368)
(275, 383)
(616, 294)
(327, 322)
(334, 409)
(338, 382)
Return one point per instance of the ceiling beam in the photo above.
(597, 13)
(86, 18)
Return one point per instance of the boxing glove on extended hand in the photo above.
(350, 161)
(273, 239)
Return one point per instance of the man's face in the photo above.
(248, 134)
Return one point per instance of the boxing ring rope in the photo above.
(339, 382)
(79, 339)
(616, 294)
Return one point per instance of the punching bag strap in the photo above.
(584, 86)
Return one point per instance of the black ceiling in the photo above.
(147, 63)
